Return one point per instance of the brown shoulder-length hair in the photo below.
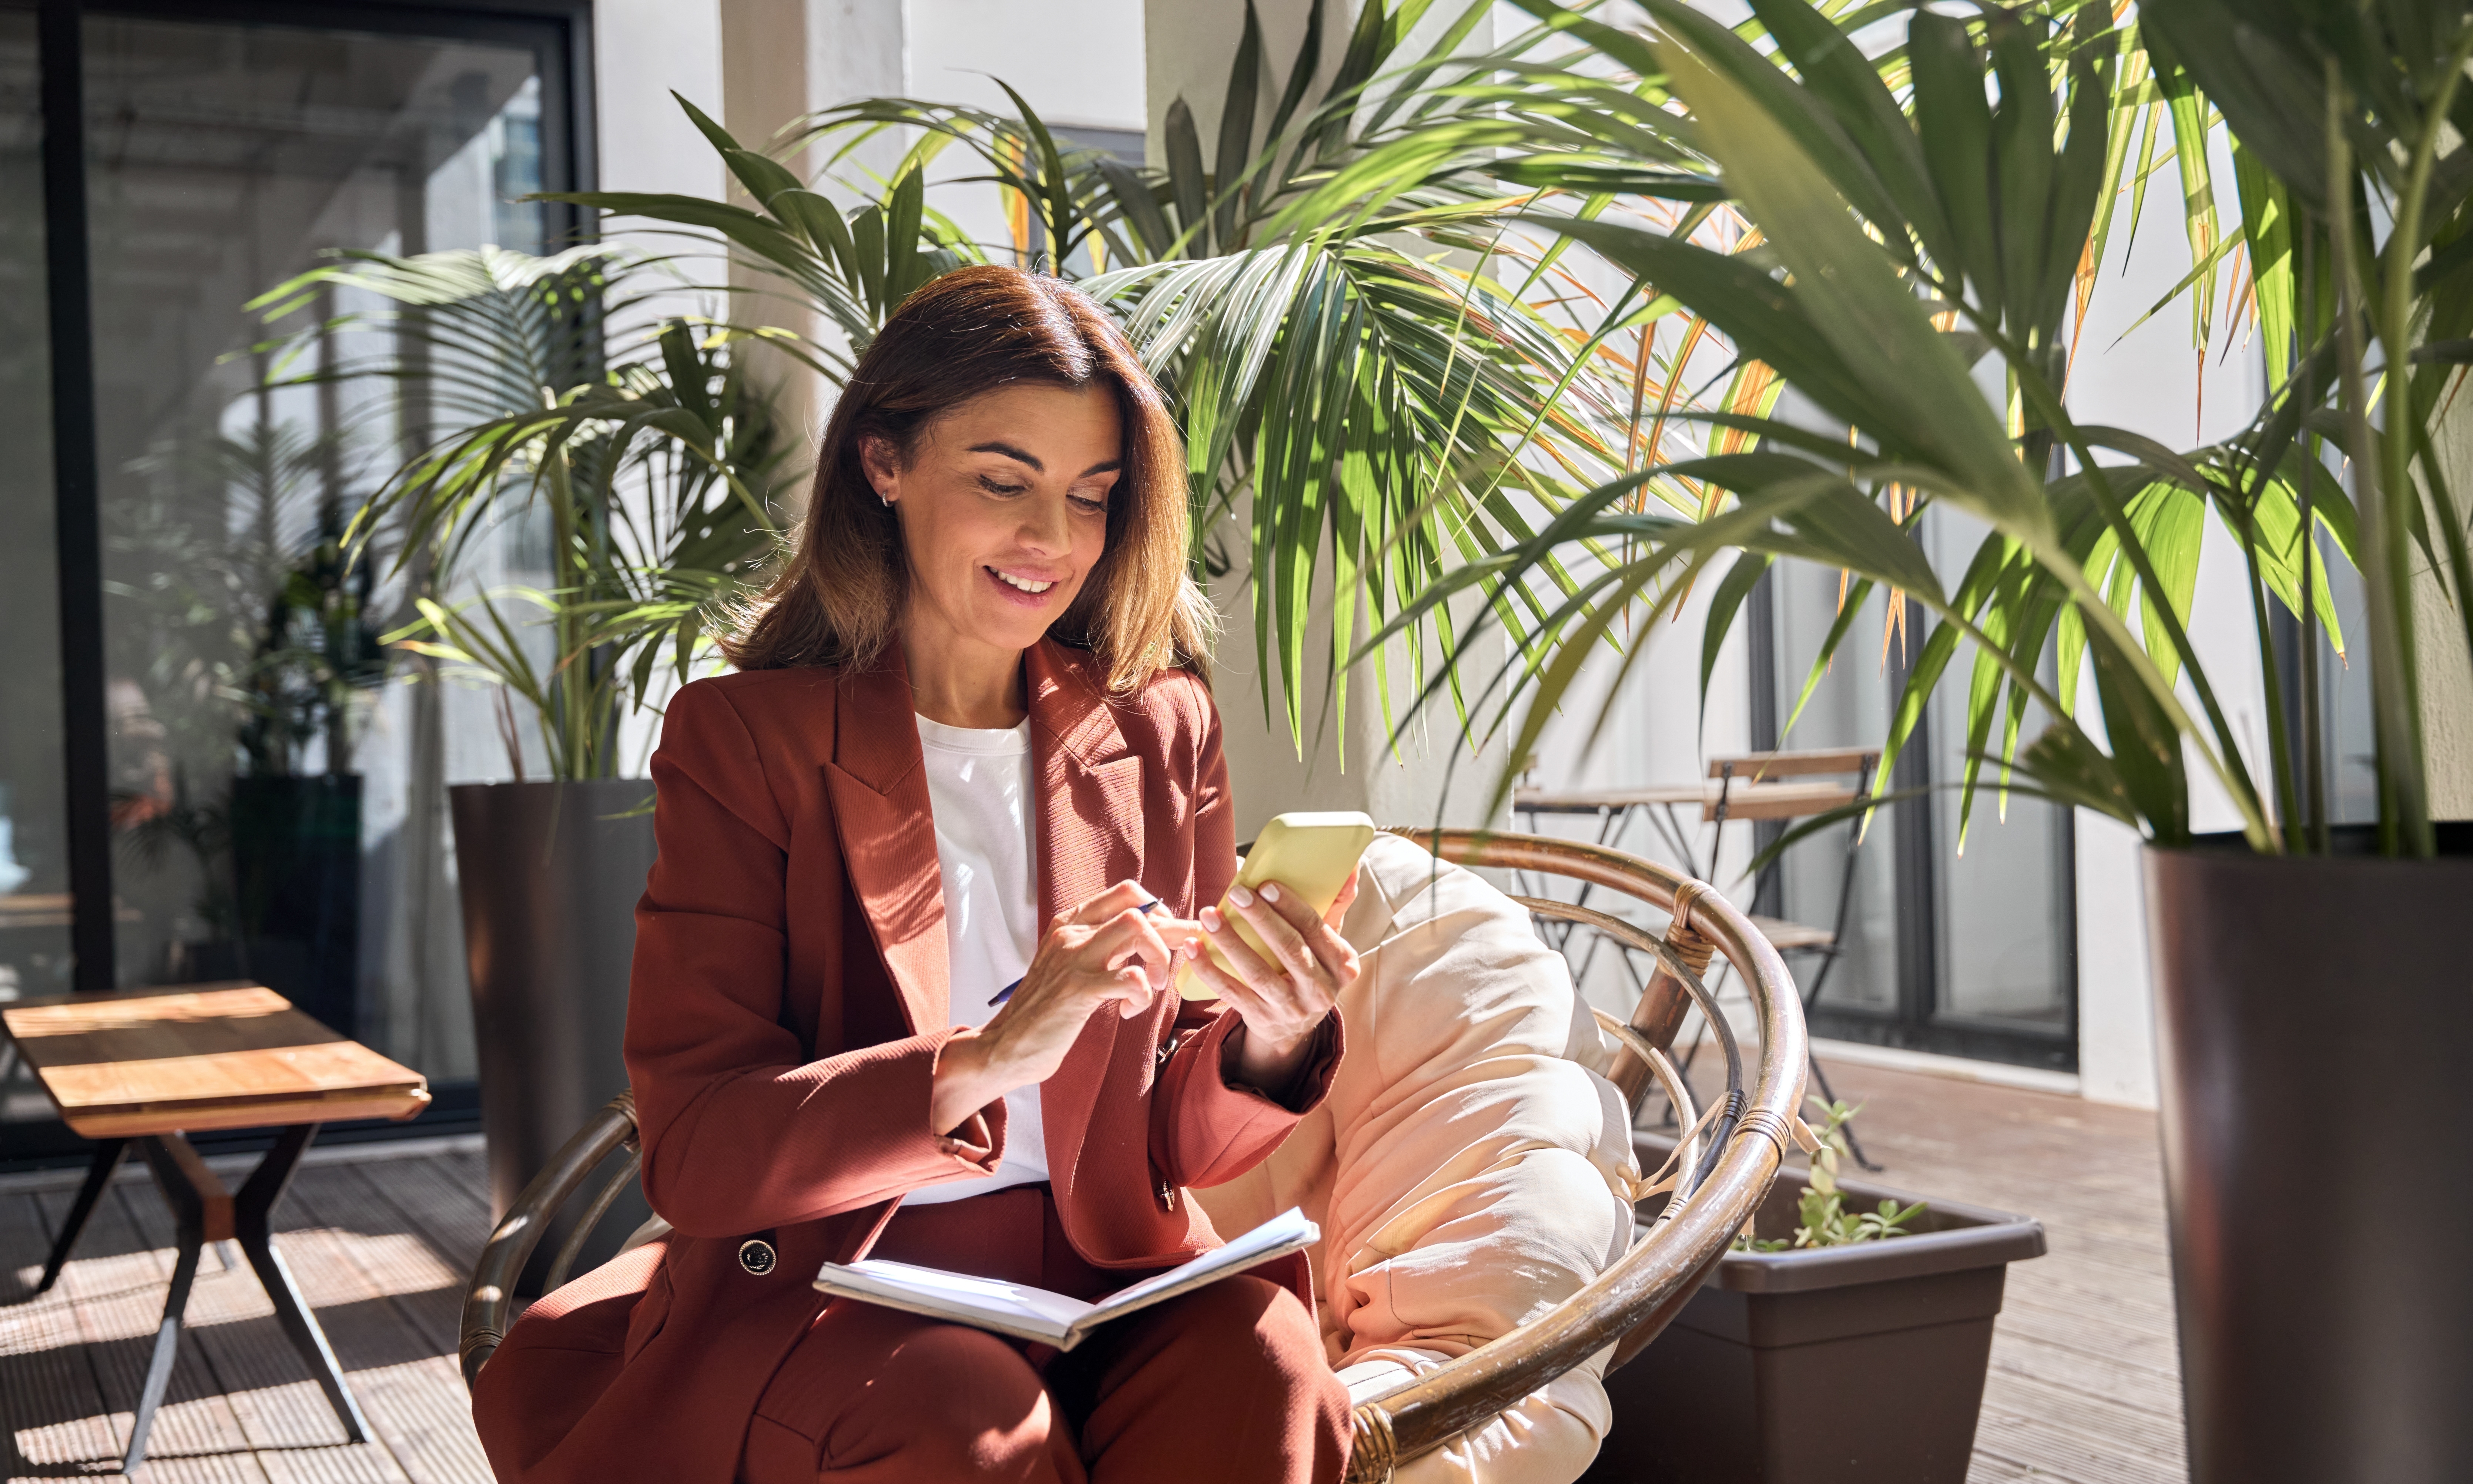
(838, 594)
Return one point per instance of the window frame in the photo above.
(559, 34)
(1918, 1022)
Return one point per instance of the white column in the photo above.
(855, 49)
(2116, 990)
(1189, 46)
(2446, 669)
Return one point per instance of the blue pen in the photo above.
(1007, 993)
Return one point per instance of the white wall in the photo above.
(2148, 380)
(643, 50)
(1189, 44)
(1077, 64)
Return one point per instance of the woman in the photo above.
(825, 1059)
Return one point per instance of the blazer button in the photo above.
(755, 1255)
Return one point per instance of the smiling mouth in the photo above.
(1020, 583)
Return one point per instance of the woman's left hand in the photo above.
(1282, 1000)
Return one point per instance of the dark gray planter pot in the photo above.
(296, 846)
(2315, 1019)
(1834, 1365)
(549, 875)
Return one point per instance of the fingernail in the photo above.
(1210, 919)
(1240, 896)
(1271, 890)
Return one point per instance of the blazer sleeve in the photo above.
(1206, 1131)
(741, 1131)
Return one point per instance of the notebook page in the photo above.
(1286, 1231)
(989, 1295)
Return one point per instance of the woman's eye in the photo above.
(999, 487)
(1090, 504)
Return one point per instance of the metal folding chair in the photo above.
(1783, 786)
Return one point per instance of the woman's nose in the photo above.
(1046, 527)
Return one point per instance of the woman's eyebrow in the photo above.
(1026, 456)
(1021, 455)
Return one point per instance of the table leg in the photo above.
(190, 1208)
(204, 1211)
(253, 1211)
(107, 1155)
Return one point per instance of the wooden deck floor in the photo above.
(2084, 1385)
(380, 1247)
(2086, 1372)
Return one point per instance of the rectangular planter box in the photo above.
(1840, 1365)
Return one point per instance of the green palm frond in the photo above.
(650, 457)
(1365, 403)
(1933, 213)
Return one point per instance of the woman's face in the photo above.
(1004, 510)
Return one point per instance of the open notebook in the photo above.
(1029, 1314)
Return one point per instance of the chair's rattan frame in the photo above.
(1627, 1304)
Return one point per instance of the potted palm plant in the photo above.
(646, 469)
(1922, 218)
(1364, 404)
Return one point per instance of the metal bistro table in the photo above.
(152, 1066)
(1720, 800)
(1753, 786)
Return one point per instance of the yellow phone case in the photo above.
(1311, 853)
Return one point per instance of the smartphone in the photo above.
(1313, 855)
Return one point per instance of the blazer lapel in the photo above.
(878, 783)
(1090, 836)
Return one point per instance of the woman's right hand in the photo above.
(1107, 951)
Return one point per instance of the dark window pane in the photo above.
(1968, 953)
(2008, 951)
(33, 836)
(279, 812)
(1849, 707)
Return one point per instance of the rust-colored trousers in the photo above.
(1226, 1385)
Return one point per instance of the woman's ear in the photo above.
(875, 456)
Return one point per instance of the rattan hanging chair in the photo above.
(1731, 1154)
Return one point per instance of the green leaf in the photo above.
(1867, 315)
(1954, 123)
(1186, 179)
(1237, 125)
(2146, 745)
(1725, 603)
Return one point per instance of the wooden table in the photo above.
(150, 1067)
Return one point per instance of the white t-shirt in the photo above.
(979, 787)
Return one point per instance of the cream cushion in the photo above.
(1468, 1170)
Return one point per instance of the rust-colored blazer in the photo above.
(786, 1010)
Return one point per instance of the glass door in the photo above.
(1963, 945)
(276, 809)
(34, 900)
